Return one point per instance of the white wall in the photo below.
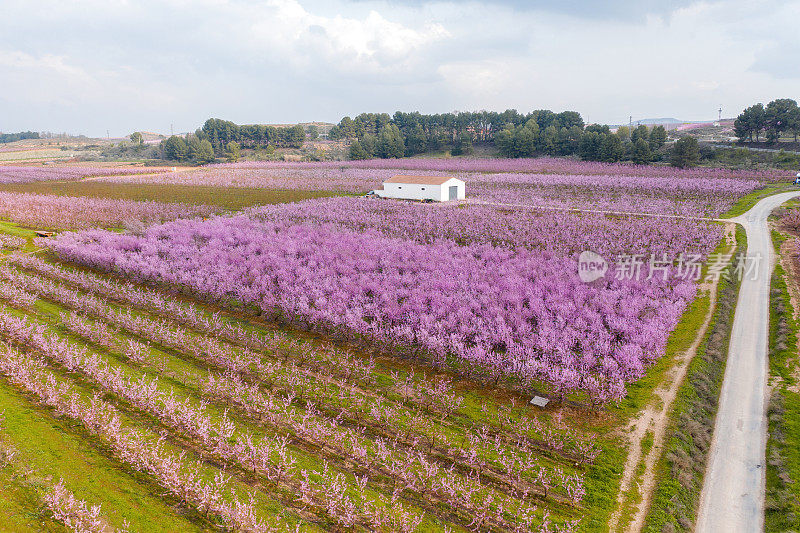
(462, 193)
(415, 191)
(412, 191)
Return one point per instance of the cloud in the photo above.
(479, 80)
(51, 79)
(778, 50)
(779, 61)
(626, 10)
(183, 61)
(92, 65)
(370, 45)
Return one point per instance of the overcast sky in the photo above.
(97, 65)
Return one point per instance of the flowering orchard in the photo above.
(561, 233)
(340, 179)
(10, 242)
(30, 173)
(683, 196)
(256, 420)
(171, 352)
(539, 165)
(556, 184)
(492, 285)
(515, 310)
(553, 165)
(66, 212)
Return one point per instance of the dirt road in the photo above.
(732, 499)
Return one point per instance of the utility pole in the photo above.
(630, 123)
(171, 129)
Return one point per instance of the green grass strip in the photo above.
(782, 500)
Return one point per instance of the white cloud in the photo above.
(51, 78)
(94, 64)
(482, 79)
(684, 65)
(48, 62)
(372, 44)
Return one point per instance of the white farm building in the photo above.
(434, 188)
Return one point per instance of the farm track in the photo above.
(732, 498)
(475, 463)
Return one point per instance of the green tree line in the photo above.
(777, 118)
(222, 132)
(592, 143)
(190, 148)
(223, 138)
(11, 137)
(541, 132)
(430, 133)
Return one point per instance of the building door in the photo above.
(453, 192)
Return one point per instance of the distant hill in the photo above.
(151, 136)
(650, 121)
(673, 123)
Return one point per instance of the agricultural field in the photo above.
(32, 173)
(248, 171)
(549, 183)
(11, 154)
(61, 212)
(300, 358)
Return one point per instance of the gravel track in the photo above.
(732, 499)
